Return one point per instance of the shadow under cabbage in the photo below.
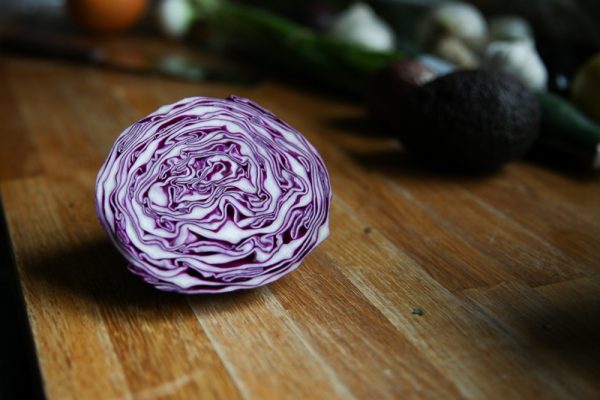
(96, 272)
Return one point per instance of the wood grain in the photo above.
(430, 285)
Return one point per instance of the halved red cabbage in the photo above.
(213, 195)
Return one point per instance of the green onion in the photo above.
(275, 41)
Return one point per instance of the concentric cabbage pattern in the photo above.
(210, 195)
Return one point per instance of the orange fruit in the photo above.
(106, 16)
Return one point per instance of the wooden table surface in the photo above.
(430, 285)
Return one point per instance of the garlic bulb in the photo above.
(519, 59)
(461, 20)
(509, 27)
(175, 17)
(456, 52)
(361, 26)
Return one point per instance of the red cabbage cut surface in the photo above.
(211, 195)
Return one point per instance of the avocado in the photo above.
(469, 119)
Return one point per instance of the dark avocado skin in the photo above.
(469, 120)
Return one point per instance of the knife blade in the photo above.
(174, 65)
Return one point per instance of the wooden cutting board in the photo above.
(430, 286)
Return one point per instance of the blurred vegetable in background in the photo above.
(567, 134)
(509, 28)
(455, 51)
(175, 17)
(455, 19)
(106, 16)
(586, 88)
(340, 63)
(277, 43)
(519, 59)
(358, 24)
(472, 120)
(342, 45)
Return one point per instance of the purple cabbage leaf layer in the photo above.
(213, 195)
